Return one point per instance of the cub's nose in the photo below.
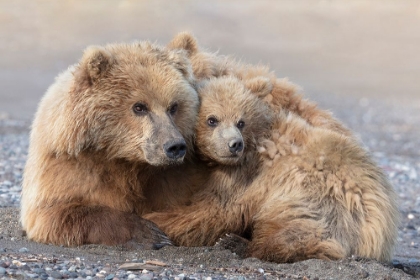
(236, 145)
(175, 149)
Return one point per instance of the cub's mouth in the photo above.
(230, 159)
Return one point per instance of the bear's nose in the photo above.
(236, 145)
(175, 149)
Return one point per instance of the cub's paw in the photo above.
(234, 243)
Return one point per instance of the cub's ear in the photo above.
(95, 62)
(260, 86)
(185, 41)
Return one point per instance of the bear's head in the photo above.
(129, 101)
(231, 119)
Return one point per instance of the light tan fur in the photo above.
(297, 191)
(279, 93)
(103, 140)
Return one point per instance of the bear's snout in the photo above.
(236, 145)
(175, 149)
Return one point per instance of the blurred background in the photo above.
(339, 52)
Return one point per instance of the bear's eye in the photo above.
(240, 124)
(140, 109)
(212, 121)
(174, 107)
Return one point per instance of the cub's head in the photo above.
(135, 102)
(231, 119)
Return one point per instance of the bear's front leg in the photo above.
(75, 224)
(195, 225)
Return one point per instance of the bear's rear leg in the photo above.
(77, 224)
(293, 241)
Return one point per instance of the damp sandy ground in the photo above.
(359, 59)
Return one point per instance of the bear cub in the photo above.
(294, 190)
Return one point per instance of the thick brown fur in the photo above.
(296, 190)
(279, 94)
(101, 142)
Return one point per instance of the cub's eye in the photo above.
(240, 124)
(140, 109)
(172, 110)
(212, 121)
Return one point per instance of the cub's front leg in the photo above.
(196, 225)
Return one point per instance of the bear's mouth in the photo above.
(229, 157)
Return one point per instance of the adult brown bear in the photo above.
(107, 134)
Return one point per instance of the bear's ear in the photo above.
(184, 41)
(94, 64)
(180, 61)
(260, 86)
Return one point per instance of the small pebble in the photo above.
(38, 270)
(73, 275)
(32, 275)
(23, 250)
(56, 275)
(146, 277)
(410, 216)
(2, 271)
(24, 267)
(16, 262)
(413, 261)
(72, 268)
